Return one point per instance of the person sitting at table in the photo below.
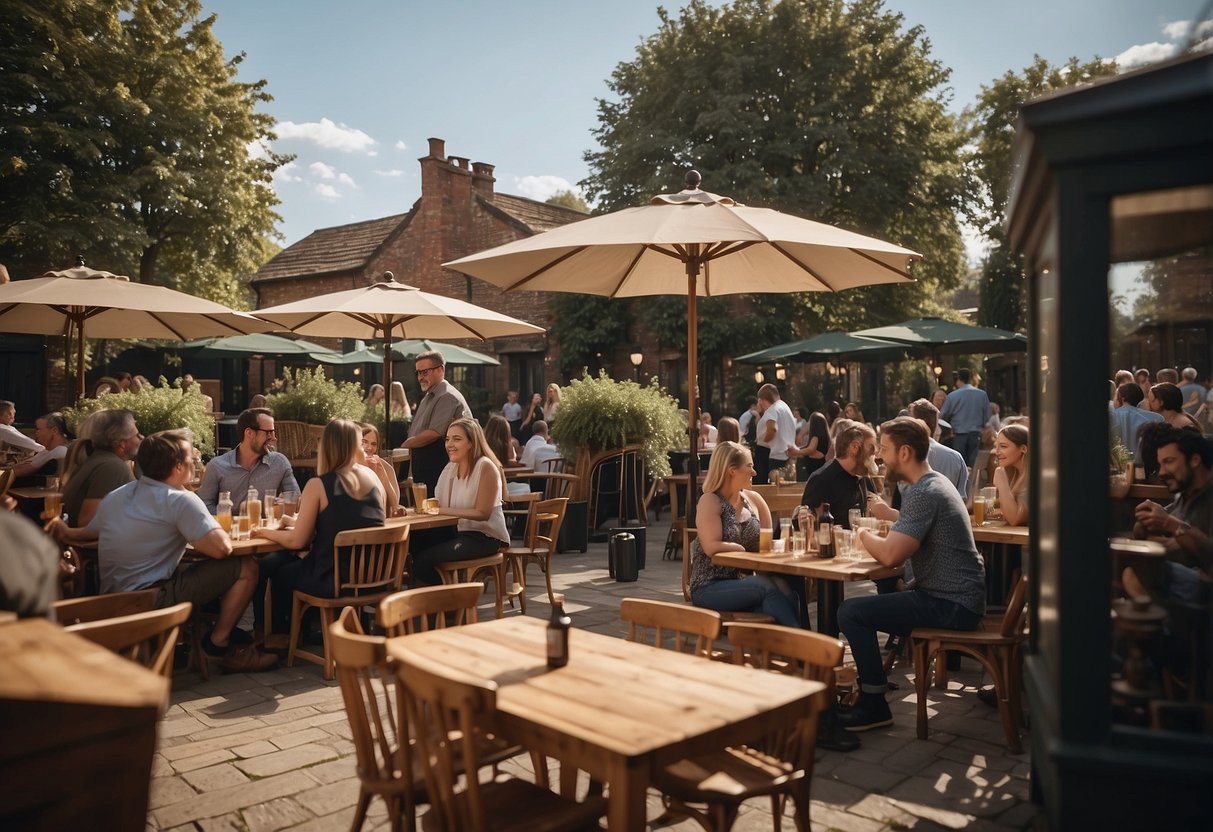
(1011, 475)
(539, 449)
(104, 386)
(1125, 417)
(471, 488)
(934, 534)
(729, 516)
(845, 481)
(345, 494)
(50, 431)
(852, 412)
(251, 464)
(728, 430)
(501, 442)
(812, 445)
(142, 530)
(382, 468)
(1167, 400)
(708, 433)
(111, 442)
(12, 437)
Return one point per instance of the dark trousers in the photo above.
(267, 568)
(967, 445)
(762, 464)
(463, 546)
(897, 614)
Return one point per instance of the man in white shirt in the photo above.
(49, 431)
(538, 449)
(707, 431)
(776, 431)
(10, 435)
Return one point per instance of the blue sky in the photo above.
(359, 86)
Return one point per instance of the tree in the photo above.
(820, 108)
(568, 199)
(587, 327)
(127, 137)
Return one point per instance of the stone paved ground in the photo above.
(269, 751)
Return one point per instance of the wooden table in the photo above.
(830, 575)
(618, 710)
(79, 727)
(33, 492)
(262, 546)
(996, 532)
(997, 536)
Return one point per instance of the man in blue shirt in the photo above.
(252, 464)
(967, 409)
(1127, 418)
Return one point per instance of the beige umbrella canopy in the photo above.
(98, 304)
(693, 243)
(389, 311)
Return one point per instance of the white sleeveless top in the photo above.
(457, 493)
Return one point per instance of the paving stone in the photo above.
(978, 760)
(907, 795)
(166, 790)
(334, 770)
(328, 799)
(161, 767)
(913, 756)
(202, 760)
(1020, 816)
(178, 727)
(864, 777)
(334, 822)
(824, 816)
(221, 802)
(225, 823)
(280, 761)
(274, 815)
(254, 749)
(881, 808)
(215, 777)
(300, 737)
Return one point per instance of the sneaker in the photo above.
(247, 659)
(871, 711)
(830, 734)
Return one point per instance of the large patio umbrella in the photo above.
(411, 348)
(97, 304)
(943, 336)
(693, 243)
(391, 310)
(242, 346)
(826, 347)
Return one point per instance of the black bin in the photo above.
(573, 532)
(621, 557)
(639, 533)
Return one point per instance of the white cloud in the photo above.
(288, 173)
(327, 191)
(400, 145)
(541, 188)
(1145, 53)
(1177, 30)
(346, 179)
(257, 149)
(327, 134)
(322, 170)
(392, 172)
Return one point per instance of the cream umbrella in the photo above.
(99, 304)
(693, 243)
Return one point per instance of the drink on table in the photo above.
(243, 527)
(853, 516)
(765, 536)
(53, 504)
(252, 507)
(798, 550)
(290, 502)
(785, 530)
(825, 533)
(419, 495)
(223, 511)
(979, 510)
(270, 505)
(558, 633)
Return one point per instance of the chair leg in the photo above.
(326, 620)
(298, 606)
(364, 802)
(499, 580)
(546, 565)
(1010, 720)
(922, 660)
(519, 565)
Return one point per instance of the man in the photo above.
(50, 432)
(941, 458)
(1193, 391)
(251, 464)
(966, 409)
(538, 449)
(512, 411)
(1127, 417)
(776, 431)
(9, 435)
(846, 477)
(1167, 374)
(934, 534)
(1142, 377)
(142, 530)
(115, 439)
(440, 405)
(748, 421)
(707, 431)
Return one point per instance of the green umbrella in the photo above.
(941, 336)
(826, 347)
(242, 346)
(411, 348)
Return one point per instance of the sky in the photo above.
(359, 86)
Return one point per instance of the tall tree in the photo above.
(127, 136)
(568, 199)
(829, 110)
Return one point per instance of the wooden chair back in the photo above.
(294, 439)
(543, 522)
(1016, 614)
(688, 537)
(6, 480)
(368, 691)
(369, 561)
(674, 626)
(555, 484)
(98, 607)
(430, 607)
(145, 637)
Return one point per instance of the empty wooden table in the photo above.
(618, 710)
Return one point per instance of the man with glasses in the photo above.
(440, 405)
(252, 464)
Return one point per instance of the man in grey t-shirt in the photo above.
(934, 534)
(441, 405)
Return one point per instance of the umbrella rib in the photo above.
(628, 272)
(155, 316)
(545, 267)
(804, 267)
(718, 250)
(880, 263)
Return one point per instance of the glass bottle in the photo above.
(252, 508)
(558, 633)
(223, 511)
(825, 532)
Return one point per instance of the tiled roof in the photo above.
(538, 216)
(341, 248)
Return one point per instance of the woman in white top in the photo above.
(551, 403)
(470, 487)
(400, 402)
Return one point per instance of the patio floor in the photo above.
(272, 750)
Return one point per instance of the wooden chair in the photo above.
(418, 610)
(145, 637)
(7, 475)
(296, 440)
(368, 691)
(465, 572)
(711, 788)
(98, 607)
(542, 531)
(678, 520)
(368, 565)
(996, 645)
(71, 573)
(689, 629)
(459, 710)
(727, 617)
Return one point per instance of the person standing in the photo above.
(776, 432)
(512, 411)
(967, 409)
(440, 405)
(934, 534)
(252, 464)
(551, 402)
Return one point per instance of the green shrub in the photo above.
(312, 397)
(163, 407)
(602, 414)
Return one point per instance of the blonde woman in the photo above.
(375, 396)
(400, 402)
(1011, 476)
(729, 517)
(344, 495)
(382, 468)
(470, 487)
(551, 403)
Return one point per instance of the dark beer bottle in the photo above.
(825, 533)
(558, 633)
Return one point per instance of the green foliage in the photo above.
(163, 407)
(601, 413)
(820, 108)
(568, 199)
(308, 395)
(1001, 296)
(125, 136)
(586, 325)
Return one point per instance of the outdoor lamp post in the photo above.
(637, 358)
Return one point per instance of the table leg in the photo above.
(628, 790)
(829, 596)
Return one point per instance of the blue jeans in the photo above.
(967, 445)
(896, 614)
(753, 593)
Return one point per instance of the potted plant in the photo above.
(164, 407)
(304, 402)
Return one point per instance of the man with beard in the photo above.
(934, 534)
(441, 405)
(252, 464)
(845, 481)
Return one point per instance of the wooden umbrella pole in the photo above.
(387, 383)
(80, 358)
(692, 386)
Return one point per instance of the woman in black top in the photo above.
(812, 445)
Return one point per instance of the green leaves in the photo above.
(164, 407)
(312, 397)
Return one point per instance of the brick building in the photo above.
(458, 213)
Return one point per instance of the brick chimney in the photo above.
(482, 179)
(437, 149)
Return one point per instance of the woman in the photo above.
(382, 468)
(375, 396)
(551, 403)
(1167, 400)
(729, 517)
(852, 412)
(257, 401)
(470, 487)
(812, 446)
(1011, 476)
(344, 495)
(534, 413)
(728, 430)
(400, 402)
(501, 443)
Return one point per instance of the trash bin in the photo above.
(573, 533)
(639, 533)
(621, 557)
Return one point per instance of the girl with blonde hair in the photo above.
(382, 468)
(400, 402)
(551, 403)
(1011, 475)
